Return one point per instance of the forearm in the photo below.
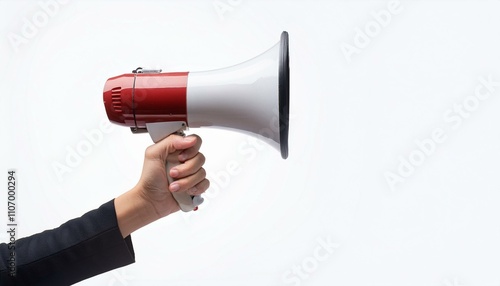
(78, 249)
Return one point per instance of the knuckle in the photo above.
(192, 191)
(150, 152)
(202, 158)
(198, 138)
(203, 173)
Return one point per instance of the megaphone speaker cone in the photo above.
(284, 94)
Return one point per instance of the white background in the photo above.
(354, 118)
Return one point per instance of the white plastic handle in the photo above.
(186, 202)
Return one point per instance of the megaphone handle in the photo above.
(186, 202)
(158, 131)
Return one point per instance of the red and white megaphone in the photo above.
(252, 97)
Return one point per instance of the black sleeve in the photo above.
(78, 249)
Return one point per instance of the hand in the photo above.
(189, 175)
(151, 198)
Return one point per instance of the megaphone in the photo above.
(251, 97)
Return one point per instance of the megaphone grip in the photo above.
(186, 202)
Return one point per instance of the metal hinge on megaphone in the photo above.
(143, 70)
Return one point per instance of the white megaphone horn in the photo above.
(252, 97)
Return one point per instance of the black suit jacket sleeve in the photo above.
(78, 249)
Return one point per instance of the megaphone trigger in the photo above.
(160, 130)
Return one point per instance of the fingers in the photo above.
(189, 167)
(172, 144)
(190, 152)
(200, 188)
(189, 175)
(196, 180)
(182, 143)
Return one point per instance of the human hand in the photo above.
(188, 173)
(151, 198)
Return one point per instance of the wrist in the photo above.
(133, 211)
